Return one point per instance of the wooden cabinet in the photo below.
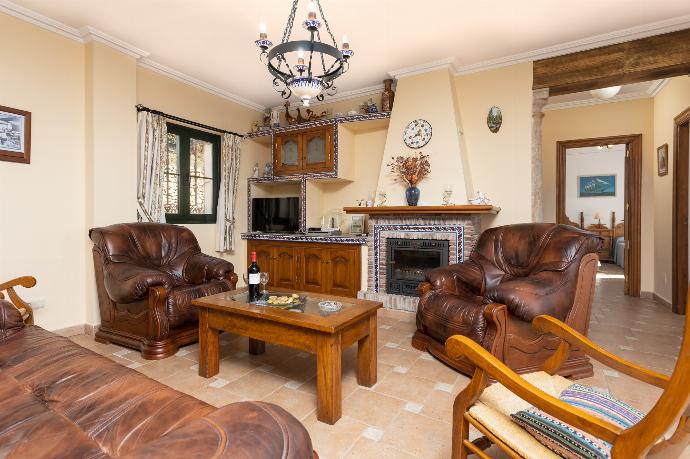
(333, 269)
(301, 152)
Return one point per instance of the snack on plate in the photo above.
(283, 300)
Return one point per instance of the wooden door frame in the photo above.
(679, 253)
(632, 198)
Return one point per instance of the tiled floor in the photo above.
(408, 412)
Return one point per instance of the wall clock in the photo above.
(417, 133)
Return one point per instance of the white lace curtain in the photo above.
(227, 197)
(151, 147)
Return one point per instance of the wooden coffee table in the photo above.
(323, 334)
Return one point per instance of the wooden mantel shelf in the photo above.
(423, 210)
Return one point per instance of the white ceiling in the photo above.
(212, 40)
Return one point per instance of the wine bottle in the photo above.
(254, 278)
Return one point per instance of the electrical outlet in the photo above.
(38, 303)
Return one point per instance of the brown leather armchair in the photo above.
(514, 274)
(147, 275)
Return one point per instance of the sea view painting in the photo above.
(593, 186)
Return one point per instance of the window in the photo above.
(191, 183)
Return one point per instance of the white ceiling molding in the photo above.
(657, 86)
(181, 77)
(368, 91)
(88, 34)
(447, 63)
(594, 101)
(597, 41)
(45, 22)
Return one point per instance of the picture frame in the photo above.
(357, 224)
(596, 186)
(662, 160)
(15, 135)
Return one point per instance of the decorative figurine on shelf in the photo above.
(360, 203)
(371, 107)
(291, 120)
(370, 200)
(267, 118)
(480, 200)
(311, 116)
(447, 193)
(255, 126)
(275, 118)
(382, 198)
(387, 96)
(255, 172)
(268, 169)
(411, 170)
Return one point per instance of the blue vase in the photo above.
(412, 195)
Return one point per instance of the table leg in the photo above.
(208, 346)
(328, 378)
(366, 355)
(256, 347)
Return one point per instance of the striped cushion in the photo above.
(569, 442)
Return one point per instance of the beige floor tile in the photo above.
(216, 397)
(369, 449)
(419, 435)
(405, 387)
(332, 442)
(299, 404)
(433, 370)
(233, 368)
(88, 342)
(397, 357)
(439, 405)
(187, 381)
(371, 407)
(159, 369)
(256, 385)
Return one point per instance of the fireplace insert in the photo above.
(409, 260)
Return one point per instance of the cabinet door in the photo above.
(343, 272)
(287, 154)
(318, 150)
(313, 269)
(264, 257)
(285, 267)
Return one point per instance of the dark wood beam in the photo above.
(651, 58)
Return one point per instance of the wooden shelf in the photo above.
(353, 122)
(423, 210)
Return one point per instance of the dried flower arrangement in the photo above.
(410, 169)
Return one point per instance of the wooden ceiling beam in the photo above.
(645, 59)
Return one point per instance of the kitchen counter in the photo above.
(306, 237)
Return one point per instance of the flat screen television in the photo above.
(275, 215)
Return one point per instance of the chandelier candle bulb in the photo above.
(312, 10)
(346, 43)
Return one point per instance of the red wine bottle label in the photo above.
(254, 278)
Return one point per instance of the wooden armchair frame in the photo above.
(640, 440)
(23, 307)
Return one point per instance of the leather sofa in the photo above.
(62, 400)
(147, 275)
(514, 274)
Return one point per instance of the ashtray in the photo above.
(330, 306)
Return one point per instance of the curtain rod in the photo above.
(141, 108)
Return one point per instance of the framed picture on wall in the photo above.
(596, 186)
(662, 160)
(15, 135)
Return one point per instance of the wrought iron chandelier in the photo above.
(315, 63)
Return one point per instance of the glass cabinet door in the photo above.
(287, 154)
(318, 150)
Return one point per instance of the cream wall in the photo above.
(42, 207)
(500, 163)
(429, 96)
(603, 120)
(668, 103)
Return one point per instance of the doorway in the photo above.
(628, 225)
(681, 165)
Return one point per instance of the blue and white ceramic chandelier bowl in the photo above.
(315, 64)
